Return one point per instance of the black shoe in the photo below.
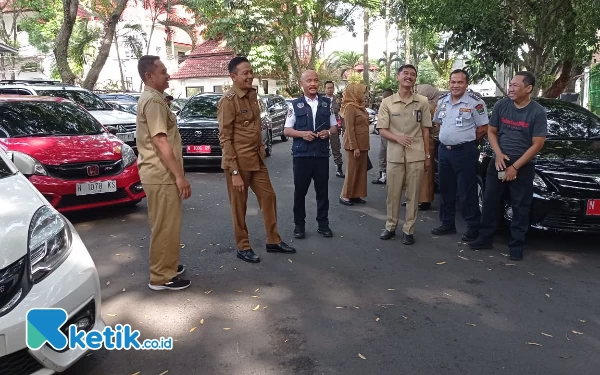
(281, 247)
(299, 232)
(408, 239)
(470, 236)
(424, 206)
(340, 171)
(516, 254)
(175, 284)
(325, 231)
(387, 235)
(358, 200)
(403, 204)
(480, 244)
(180, 269)
(443, 230)
(346, 203)
(248, 256)
(380, 180)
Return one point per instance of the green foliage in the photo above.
(387, 83)
(428, 74)
(43, 26)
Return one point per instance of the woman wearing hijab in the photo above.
(356, 144)
(432, 94)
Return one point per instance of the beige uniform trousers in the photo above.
(401, 176)
(164, 212)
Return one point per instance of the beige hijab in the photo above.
(431, 93)
(354, 95)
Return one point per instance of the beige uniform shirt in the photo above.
(405, 118)
(154, 117)
(240, 127)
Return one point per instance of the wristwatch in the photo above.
(427, 156)
(235, 172)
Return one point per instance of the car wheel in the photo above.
(269, 145)
(284, 138)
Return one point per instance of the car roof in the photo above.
(31, 98)
(37, 85)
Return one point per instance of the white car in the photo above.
(43, 264)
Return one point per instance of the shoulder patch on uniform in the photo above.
(480, 108)
(230, 94)
(444, 96)
(474, 95)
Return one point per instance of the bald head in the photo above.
(309, 80)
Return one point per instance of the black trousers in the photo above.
(521, 195)
(458, 171)
(306, 170)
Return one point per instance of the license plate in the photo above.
(126, 137)
(199, 149)
(96, 187)
(593, 207)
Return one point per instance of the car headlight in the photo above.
(127, 155)
(50, 241)
(538, 182)
(28, 165)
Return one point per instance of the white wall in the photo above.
(181, 87)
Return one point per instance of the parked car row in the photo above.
(567, 182)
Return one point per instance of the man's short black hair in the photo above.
(169, 97)
(233, 64)
(146, 65)
(460, 71)
(410, 66)
(528, 78)
(326, 82)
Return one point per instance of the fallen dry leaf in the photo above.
(226, 329)
(405, 317)
(118, 254)
(531, 273)
(510, 264)
(471, 324)
(112, 235)
(534, 343)
(463, 258)
(362, 356)
(265, 307)
(193, 329)
(255, 297)
(257, 289)
(391, 289)
(203, 250)
(547, 295)
(289, 260)
(137, 373)
(461, 250)
(356, 307)
(340, 307)
(489, 269)
(182, 245)
(377, 319)
(582, 321)
(111, 314)
(286, 340)
(238, 291)
(434, 237)
(123, 289)
(107, 283)
(576, 332)
(506, 255)
(256, 308)
(440, 263)
(545, 334)
(208, 292)
(201, 321)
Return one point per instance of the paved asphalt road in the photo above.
(398, 306)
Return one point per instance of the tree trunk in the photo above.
(559, 85)
(110, 26)
(388, 59)
(148, 46)
(120, 64)
(407, 43)
(61, 43)
(366, 64)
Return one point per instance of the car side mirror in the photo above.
(112, 130)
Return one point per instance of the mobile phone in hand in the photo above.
(501, 174)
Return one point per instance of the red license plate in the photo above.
(198, 149)
(593, 207)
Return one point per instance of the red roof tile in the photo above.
(209, 59)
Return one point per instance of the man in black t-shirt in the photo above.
(517, 132)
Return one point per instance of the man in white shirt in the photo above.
(310, 123)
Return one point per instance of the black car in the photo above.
(277, 108)
(199, 130)
(567, 182)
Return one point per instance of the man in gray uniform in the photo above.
(381, 180)
(334, 140)
(464, 119)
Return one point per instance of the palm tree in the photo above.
(344, 60)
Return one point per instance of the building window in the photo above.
(265, 85)
(180, 57)
(191, 91)
(218, 88)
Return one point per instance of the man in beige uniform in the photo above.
(244, 160)
(160, 163)
(404, 120)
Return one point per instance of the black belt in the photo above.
(459, 146)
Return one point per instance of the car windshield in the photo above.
(88, 100)
(39, 119)
(201, 106)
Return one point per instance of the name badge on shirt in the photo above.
(396, 114)
(465, 110)
(459, 121)
(419, 115)
(442, 114)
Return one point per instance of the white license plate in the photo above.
(96, 187)
(127, 137)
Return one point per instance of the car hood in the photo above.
(19, 201)
(68, 149)
(577, 156)
(113, 117)
(191, 122)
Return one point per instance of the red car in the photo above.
(67, 154)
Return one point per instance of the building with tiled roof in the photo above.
(205, 70)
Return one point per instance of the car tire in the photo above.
(269, 145)
(284, 138)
